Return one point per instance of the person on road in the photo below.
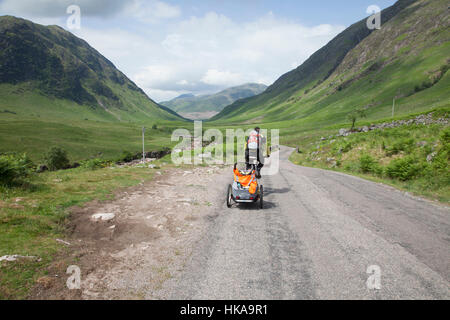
(254, 150)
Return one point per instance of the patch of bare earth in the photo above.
(155, 227)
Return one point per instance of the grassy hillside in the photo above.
(412, 157)
(407, 59)
(187, 104)
(49, 72)
(37, 123)
(56, 90)
(81, 139)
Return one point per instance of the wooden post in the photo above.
(143, 145)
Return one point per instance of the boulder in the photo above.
(103, 216)
(421, 143)
(431, 156)
(15, 257)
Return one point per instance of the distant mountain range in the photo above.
(51, 73)
(407, 59)
(206, 106)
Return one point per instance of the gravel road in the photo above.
(319, 233)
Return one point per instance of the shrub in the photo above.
(96, 163)
(56, 159)
(403, 169)
(427, 84)
(366, 163)
(351, 166)
(440, 161)
(445, 135)
(154, 127)
(444, 68)
(14, 167)
(355, 115)
(127, 156)
(347, 147)
(405, 145)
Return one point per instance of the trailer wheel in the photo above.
(229, 196)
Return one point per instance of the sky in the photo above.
(170, 47)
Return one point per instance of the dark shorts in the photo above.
(247, 158)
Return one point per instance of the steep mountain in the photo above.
(50, 73)
(206, 106)
(360, 68)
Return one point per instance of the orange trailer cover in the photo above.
(246, 180)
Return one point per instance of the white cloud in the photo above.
(144, 10)
(156, 75)
(209, 53)
(52, 8)
(222, 78)
(152, 11)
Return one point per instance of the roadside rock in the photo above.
(431, 156)
(422, 143)
(103, 216)
(423, 119)
(63, 242)
(16, 257)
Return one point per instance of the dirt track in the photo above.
(155, 227)
(319, 232)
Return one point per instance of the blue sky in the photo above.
(200, 46)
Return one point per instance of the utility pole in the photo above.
(393, 107)
(143, 145)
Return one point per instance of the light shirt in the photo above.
(253, 140)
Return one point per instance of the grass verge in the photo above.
(34, 215)
(413, 158)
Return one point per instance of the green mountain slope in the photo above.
(210, 104)
(50, 73)
(407, 58)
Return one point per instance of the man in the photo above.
(254, 150)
